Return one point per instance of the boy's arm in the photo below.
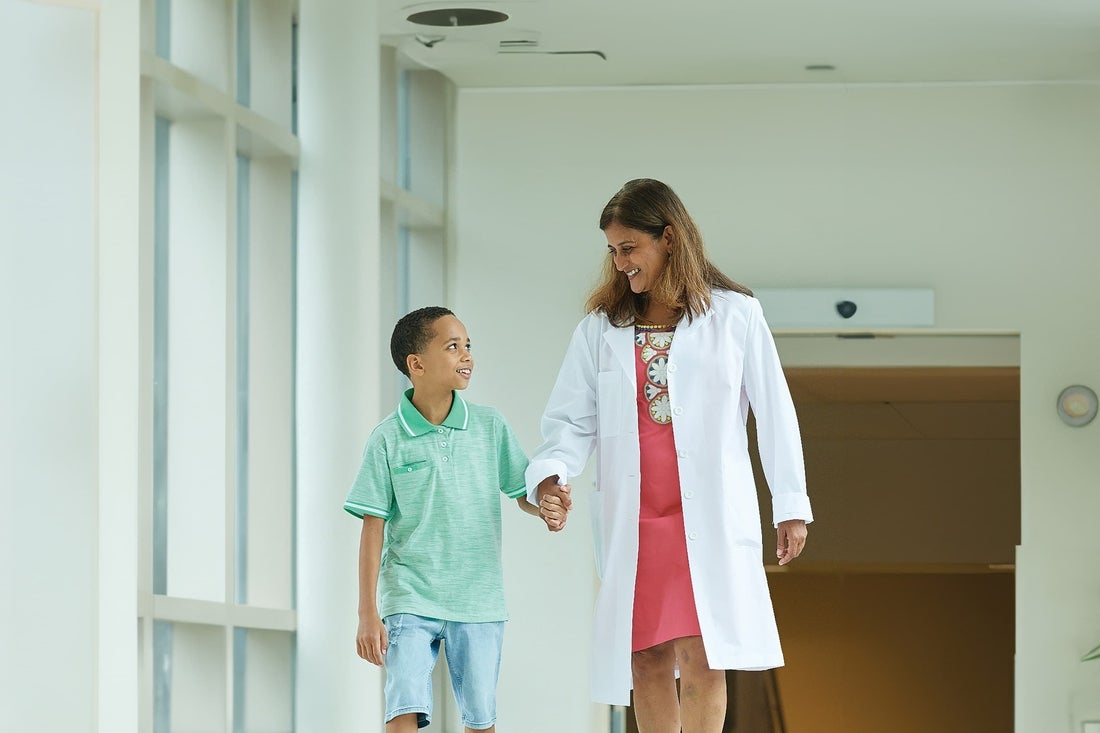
(527, 506)
(370, 639)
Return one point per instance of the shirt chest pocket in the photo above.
(411, 472)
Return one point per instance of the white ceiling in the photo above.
(762, 41)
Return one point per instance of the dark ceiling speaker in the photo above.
(846, 308)
(457, 17)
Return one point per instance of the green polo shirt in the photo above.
(438, 488)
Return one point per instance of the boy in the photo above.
(429, 551)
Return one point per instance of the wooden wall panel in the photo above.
(898, 653)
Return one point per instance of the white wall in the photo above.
(988, 194)
(47, 368)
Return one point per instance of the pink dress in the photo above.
(664, 604)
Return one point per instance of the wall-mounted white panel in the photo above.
(840, 308)
(941, 349)
(48, 368)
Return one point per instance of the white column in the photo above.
(48, 371)
(122, 370)
(338, 342)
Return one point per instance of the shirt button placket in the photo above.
(443, 444)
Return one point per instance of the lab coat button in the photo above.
(693, 536)
(445, 459)
(678, 411)
(683, 454)
(443, 444)
(689, 494)
(672, 367)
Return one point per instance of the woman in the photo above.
(658, 379)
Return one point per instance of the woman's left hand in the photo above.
(791, 538)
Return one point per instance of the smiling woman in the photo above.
(678, 518)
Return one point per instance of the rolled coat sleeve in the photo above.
(569, 421)
(777, 433)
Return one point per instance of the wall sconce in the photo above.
(1077, 405)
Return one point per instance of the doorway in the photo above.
(900, 615)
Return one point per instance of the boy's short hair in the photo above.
(412, 333)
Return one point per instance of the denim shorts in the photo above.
(473, 657)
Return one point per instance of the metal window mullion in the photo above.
(231, 443)
(163, 23)
(242, 54)
(404, 154)
(294, 390)
(243, 295)
(161, 653)
(239, 654)
(294, 425)
(162, 199)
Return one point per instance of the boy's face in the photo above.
(446, 362)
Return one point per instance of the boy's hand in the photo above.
(370, 640)
(554, 503)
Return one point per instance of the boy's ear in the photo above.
(414, 364)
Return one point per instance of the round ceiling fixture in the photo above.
(1077, 405)
(457, 17)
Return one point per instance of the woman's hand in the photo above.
(791, 538)
(554, 503)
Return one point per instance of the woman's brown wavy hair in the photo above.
(688, 276)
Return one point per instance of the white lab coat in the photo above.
(719, 364)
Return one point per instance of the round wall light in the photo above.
(1077, 405)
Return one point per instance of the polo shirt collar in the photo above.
(415, 424)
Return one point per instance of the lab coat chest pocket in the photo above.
(610, 389)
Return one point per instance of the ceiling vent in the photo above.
(518, 44)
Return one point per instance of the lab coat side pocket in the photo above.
(609, 403)
(596, 513)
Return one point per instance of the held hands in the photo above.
(370, 639)
(791, 538)
(554, 503)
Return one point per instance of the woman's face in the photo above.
(639, 256)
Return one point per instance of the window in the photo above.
(217, 586)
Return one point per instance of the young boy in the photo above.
(427, 492)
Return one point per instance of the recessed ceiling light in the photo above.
(820, 67)
(457, 17)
